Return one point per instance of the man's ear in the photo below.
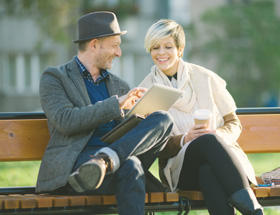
(93, 44)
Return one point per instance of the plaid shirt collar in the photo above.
(86, 75)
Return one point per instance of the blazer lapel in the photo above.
(75, 74)
(113, 86)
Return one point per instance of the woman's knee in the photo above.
(207, 138)
(204, 143)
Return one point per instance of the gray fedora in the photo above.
(98, 24)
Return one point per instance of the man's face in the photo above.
(108, 49)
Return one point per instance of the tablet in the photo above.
(121, 129)
(158, 97)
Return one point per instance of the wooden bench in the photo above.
(24, 137)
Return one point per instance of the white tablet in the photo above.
(158, 97)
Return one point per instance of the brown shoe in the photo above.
(90, 175)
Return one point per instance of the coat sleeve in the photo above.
(66, 111)
(231, 129)
(171, 149)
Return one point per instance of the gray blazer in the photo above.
(72, 119)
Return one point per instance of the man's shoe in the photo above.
(90, 175)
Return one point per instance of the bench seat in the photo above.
(19, 142)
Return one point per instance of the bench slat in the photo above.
(25, 202)
(22, 140)
(156, 197)
(42, 201)
(77, 200)
(171, 197)
(54, 201)
(93, 200)
(262, 191)
(60, 201)
(9, 202)
(260, 133)
(275, 191)
(192, 195)
(109, 200)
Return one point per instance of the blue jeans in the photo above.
(137, 150)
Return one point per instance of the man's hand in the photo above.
(129, 100)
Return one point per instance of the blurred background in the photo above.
(237, 39)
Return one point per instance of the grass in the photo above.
(19, 173)
(25, 174)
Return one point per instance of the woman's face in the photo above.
(166, 55)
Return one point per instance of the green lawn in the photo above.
(25, 174)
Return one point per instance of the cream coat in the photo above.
(211, 94)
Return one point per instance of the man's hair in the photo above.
(83, 45)
(162, 29)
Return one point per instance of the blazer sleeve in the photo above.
(66, 111)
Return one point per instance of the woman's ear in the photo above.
(180, 52)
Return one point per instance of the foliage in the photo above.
(244, 38)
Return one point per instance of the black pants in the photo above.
(212, 167)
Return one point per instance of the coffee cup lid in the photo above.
(202, 114)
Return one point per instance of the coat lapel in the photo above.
(113, 86)
(74, 73)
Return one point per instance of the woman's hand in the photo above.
(129, 100)
(197, 131)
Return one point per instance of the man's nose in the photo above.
(118, 52)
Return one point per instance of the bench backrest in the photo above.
(26, 139)
(23, 139)
(260, 133)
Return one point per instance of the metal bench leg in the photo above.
(185, 206)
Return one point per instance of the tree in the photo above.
(244, 40)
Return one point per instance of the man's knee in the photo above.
(163, 118)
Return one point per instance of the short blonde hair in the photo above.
(162, 29)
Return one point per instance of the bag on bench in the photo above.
(272, 176)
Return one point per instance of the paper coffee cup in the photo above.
(202, 116)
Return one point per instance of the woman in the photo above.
(197, 157)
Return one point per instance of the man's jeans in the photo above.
(137, 150)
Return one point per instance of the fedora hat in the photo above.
(98, 24)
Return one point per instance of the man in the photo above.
(82, 102)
